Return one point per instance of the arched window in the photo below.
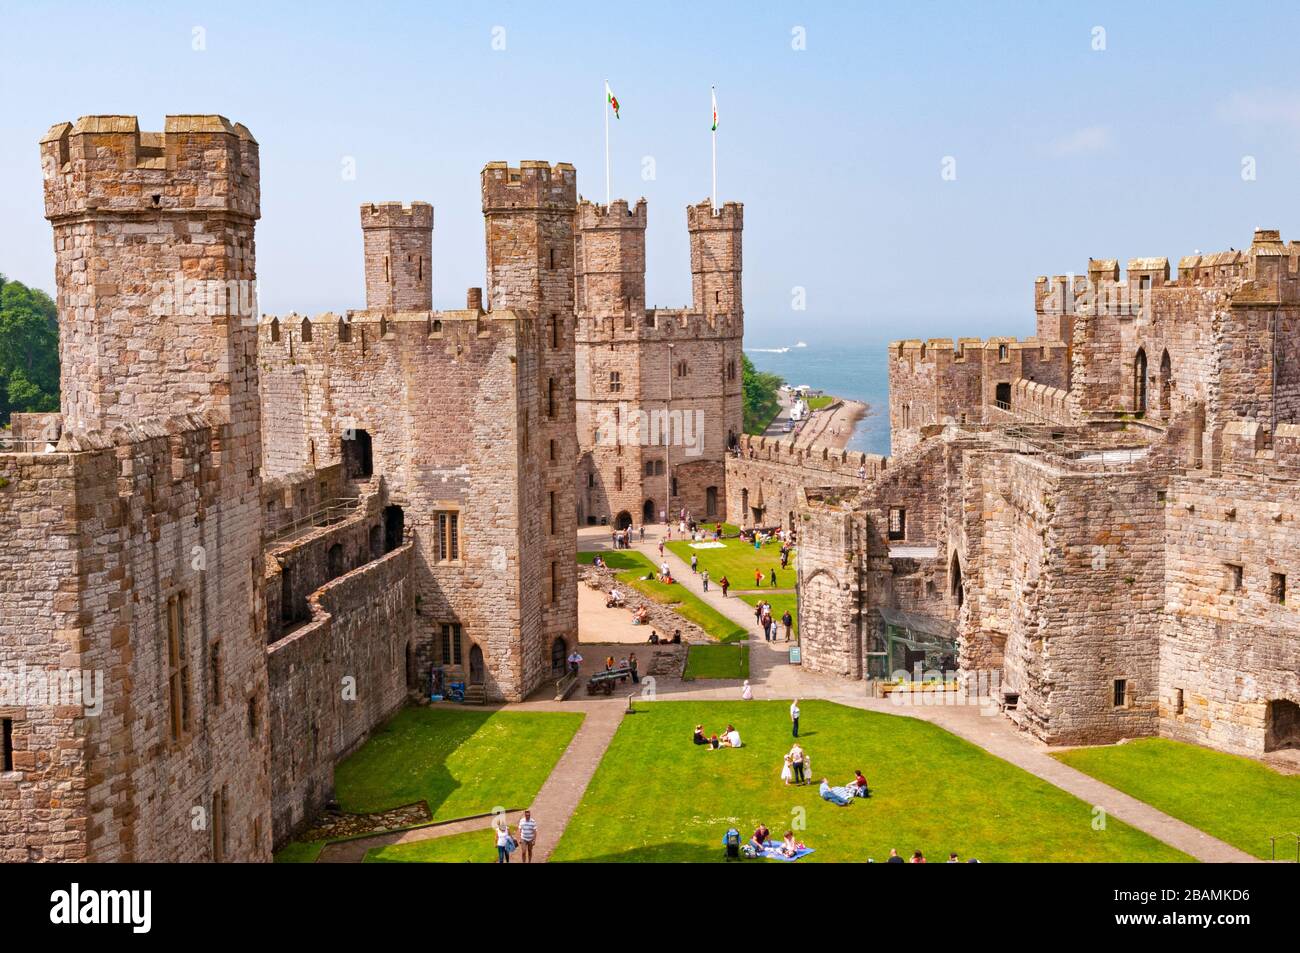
(1140, 382)
(306, 330)
(1166, 383)
(275, 329)
(958, 590)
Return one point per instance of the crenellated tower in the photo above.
(529, 214)
(716, 260)
(610, 259)
(399, 255)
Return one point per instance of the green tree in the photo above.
(760, 398)
(29, 350)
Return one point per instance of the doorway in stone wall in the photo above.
(623, 520)
(358, 455)
(1282, 725)
(394, 527)
(648, 512)
(559, 656)
(476, 671)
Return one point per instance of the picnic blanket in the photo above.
(708, 545)
(772, 851)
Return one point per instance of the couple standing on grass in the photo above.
(506, 843)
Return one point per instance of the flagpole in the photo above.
(606, 110)
(714, 201)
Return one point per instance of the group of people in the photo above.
(763, 616)
(919, 858)
(844, 794)
(622, 538)
(762, 840)
(675, 640)
(507, 843)
(730, 738)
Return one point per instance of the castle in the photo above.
(659, 391)
(259, 535)
(1104, 517)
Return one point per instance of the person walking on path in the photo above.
(758, 579)
(527, 837)
(704, 578)
(631, 664)
(794, 717)
(503, 839)
(773, 578)
(695, 563)
(661, 548)
(787, 620)
(725, 583)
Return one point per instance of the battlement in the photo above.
(106, 164)
(532, 185)
(331, 337)
(730, 216)
(397, 215)
(658, 324)
(618, 214)
(846, 463)
(1249, 448)
(942, 351)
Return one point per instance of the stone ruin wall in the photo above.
(776, 471)
(1230, 652)
(335, 679)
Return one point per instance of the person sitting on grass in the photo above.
(859, 785)
(761, 835)
(790, 846)
(731, 737)
(714, 744)
(698, 738)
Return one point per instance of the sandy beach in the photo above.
(832, 426)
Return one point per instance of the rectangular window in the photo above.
(618, 478)
(551, 451)
(897, 522)
(1120, 693)
(451, 643)
(550, 397)
(1178, 701)
(551, 498)
(215, 658)
(1277, 588)
(252, 718)
(555, 582)
(555, 331)
(1236, 577)
(448, 525)
(615, 381)
(649, 468)
(219, 826)
(178, 665)
(6, 744)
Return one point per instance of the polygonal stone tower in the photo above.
(716, 258)
(529, 215)
(611, 259)
(399, 254)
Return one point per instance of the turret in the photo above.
(716, 258)
(610, 259)
(399, 253)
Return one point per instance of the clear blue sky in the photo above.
(1061, 151)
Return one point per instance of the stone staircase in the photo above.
(474, 695)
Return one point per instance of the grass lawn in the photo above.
(1235, 799)
(780, 602)
(817, 403)
(657, 797)
(460, 761)
(299, 852)
(471, 847)
(684, 602)
(738, 561)
(717, 661)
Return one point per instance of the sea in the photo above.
(857, 370)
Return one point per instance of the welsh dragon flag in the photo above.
(715, 108)
(611, 99)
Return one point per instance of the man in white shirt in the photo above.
(733, 738)
(794, 716)
(527, 836)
